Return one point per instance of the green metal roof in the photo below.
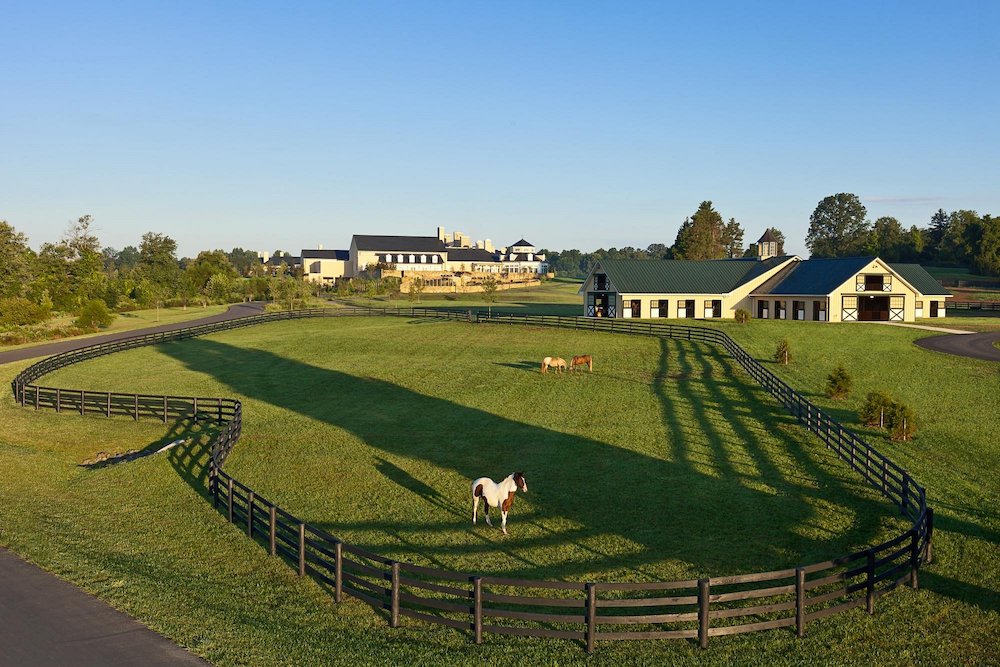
(820, 276)
(921, 281)
(671, 276)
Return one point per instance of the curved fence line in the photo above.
(694, 609)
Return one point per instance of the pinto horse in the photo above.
(556, 363)
(582, 360)
(497, 495)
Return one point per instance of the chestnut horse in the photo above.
(582, 360)
(497, 495)
(557, 363)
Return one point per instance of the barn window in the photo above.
(920, 305)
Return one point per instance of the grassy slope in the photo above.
(138, 535)
(137, 319)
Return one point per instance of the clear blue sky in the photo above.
(572, 124)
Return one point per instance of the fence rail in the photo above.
(694, 609)
(974, 305)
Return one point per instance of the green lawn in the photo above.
(664, 463)
(552, 297)
(137, 319)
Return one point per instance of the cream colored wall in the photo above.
(326, 268)
(899, 288)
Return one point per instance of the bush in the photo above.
(742, 315)
(839, 383)
(94, 315)
(783, 353)
(899, 421)
(873, 410)
(18, 311)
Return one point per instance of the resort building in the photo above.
(767, 286)
(324, 266)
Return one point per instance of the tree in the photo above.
(939, 225)
(701, 235)
(839, 383)
(243, 260)
(220, 287)
(987, 257)
(158, 263)
(886, 239)
(732, 238)
(288, 288)
(94, 315)
(209, 263)
(16, 260)
(838, 227)
(783, 352)
(913, 244)
(958, 242)
(489, 289)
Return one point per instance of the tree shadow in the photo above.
(688, 505)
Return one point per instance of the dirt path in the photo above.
(48, 349)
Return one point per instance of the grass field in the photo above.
(663, 463)
(137, 319)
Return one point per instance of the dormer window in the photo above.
(399, 258)
(423, 259)
(412, 259)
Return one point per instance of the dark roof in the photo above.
(671, 276)
(522, 242)
(818, 276)
(326, 254)
(768, 237)
(921, 281)
(470, 255)
(287, 260)
(398, 243)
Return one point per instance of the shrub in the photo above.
(742, 315)
(783, 353)
(94, 315)
(899, 421)
(18, 311)
(839, 383)
(873, 410)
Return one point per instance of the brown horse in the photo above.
(556, 363)
(582, 360)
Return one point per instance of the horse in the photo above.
(558, 363)
(497, 495)
(582, 360)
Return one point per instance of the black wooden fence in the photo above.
(694, 609)
(974, 305)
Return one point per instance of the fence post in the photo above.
(230, 500)
(477, 609)
(58, 400)
(302, 549)
(218, 419)
(703, 588)
(870, 581)
(591, 616)
(930, 535)
(36, 396)
(136, 399)
(338, 571)
(914, 557)
(394, 596)
(905, 493)
(195, 400)
(250, 498)
(273, 530)
(109, 404)
(83, 400)
(164, 409)
(800, 602)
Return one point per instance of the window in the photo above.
(919, 305)
(412, 259)
(399, 258)
(423, 259)
(874, 283)
(434, 259)
(600, 282)
(664, 308)
(762, 307)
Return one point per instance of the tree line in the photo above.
(839, 227)
(76, 274)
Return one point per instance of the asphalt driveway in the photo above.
(977, 346)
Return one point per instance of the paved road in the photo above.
(977, 346)
(48, 349)
(47, 621)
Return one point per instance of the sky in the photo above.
(572, 124)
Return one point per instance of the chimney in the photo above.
(441, 234)
(319, 246)
(488, 244)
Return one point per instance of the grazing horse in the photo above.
(582, 360)
(558, 363)
(497, 495)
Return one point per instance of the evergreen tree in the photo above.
(732, 238)
(701, 235)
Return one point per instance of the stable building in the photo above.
(847, 289)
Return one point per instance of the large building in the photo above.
(441, 254)
(768, 286)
